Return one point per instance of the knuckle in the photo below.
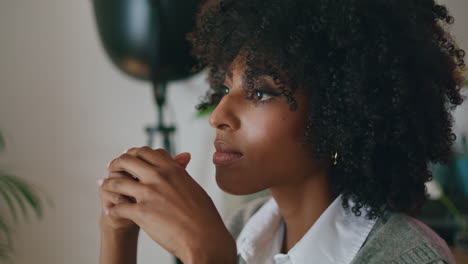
(113, 184)
(163, 152)
(147, 192)
(160, 150)
(131, 149)
(125, 157)
(146, 148)
(118, 198)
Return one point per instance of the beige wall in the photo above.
(66, 112)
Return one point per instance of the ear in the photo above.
(183, 159)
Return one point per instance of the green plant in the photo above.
(15, 192)
(204, 112)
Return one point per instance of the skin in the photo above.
(270, 137)
(168, 205)
(151, 190)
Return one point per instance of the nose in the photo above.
(226, 113)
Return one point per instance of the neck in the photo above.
(301, 204)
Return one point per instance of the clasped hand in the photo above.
(168, 204)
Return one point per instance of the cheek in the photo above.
(274, 142)
(273, 149)
(274, 133)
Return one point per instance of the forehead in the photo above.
(259, 80)
(238, 68)
(230, 74)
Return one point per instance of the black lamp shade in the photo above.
(146, 38)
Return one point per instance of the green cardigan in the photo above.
(395, 238)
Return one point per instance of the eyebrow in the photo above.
(230, 75)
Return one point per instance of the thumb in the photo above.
(183, 159)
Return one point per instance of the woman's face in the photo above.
(267, 133)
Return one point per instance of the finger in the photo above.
(183, 159)
(164, 153)
(127, 211)
(165, 166)
(109, 199)
(126, 187)
(139, 168)
(121, 174)
(125, 175)
(157, 157)
(117, 198)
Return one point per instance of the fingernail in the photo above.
(108, 164)
(99, 182)
(106, 211)
(125, 151)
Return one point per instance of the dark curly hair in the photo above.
(383, 75)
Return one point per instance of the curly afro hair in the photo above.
(383, 77)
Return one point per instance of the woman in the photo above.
(334, 107)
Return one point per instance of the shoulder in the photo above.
(236, 220)
(400, 238)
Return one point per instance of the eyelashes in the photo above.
(258, 95)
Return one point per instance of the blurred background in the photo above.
(66, 111)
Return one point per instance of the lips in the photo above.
(225, 154)
(223, 147)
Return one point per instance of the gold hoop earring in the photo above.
(334, 158)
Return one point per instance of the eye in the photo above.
(225, 89)
(261, 94)
(258, 95)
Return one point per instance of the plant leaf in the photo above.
(23, 191)
(205, 111)
(29, 193)
(6, 197)
(14, 192)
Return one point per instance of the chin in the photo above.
(234, 186)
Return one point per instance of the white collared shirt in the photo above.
(335, 237)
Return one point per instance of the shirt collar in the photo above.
(262, 234)
(335, 237)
